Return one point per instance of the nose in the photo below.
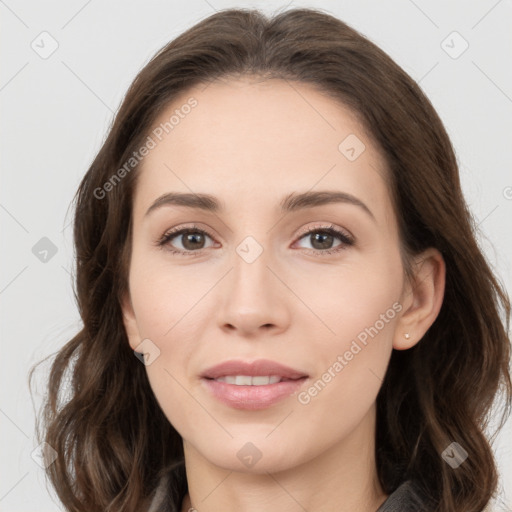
(254, 298)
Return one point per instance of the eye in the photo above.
(322, 239)
(192, 239)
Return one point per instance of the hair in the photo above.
(113, 441)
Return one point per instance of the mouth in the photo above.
(248, 380)
(251, 386)
(258, 369)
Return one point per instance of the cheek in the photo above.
(359, 308)
(162, 295)
(351, 364)
(164, 309)
(170, 311)
(345, 300)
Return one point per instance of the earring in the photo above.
(407, 336)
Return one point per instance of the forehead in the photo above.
(257, 140)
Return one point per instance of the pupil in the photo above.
(193, 238)
(325, 236)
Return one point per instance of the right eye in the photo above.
(191, 238)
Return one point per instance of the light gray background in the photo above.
(55, 113)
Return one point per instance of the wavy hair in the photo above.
(113, 440)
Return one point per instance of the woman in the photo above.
(353, 373)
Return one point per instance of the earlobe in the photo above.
(130, 322)
(425, 298)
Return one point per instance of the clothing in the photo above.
(403, 499)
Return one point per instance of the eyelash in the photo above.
(347, 240)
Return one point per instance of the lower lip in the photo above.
(252, 397)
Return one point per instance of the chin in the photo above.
(256, 456)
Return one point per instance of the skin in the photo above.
(251, 142)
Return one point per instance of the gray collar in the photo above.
(406, 498)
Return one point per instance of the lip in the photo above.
(252, 397)
(254, 368)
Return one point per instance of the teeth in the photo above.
(247, 380)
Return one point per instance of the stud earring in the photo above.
(407, 336)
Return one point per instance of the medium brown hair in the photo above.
(113, 440)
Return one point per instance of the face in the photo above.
(316, 286)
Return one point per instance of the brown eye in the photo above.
(322, 240)
(192, 239)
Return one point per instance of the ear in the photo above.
(130, 322)
(421, 299)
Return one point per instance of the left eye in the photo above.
(321, 238)
(193, 239)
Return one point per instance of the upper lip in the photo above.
(259, 367)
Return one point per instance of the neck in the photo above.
(343, 478)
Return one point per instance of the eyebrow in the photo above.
(290, 203)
